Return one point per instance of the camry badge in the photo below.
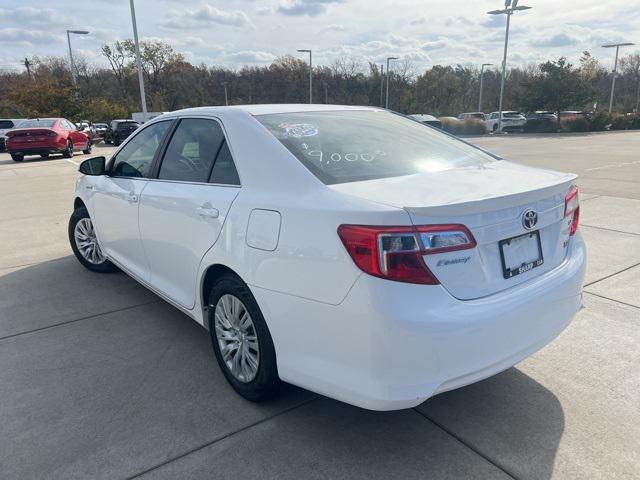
(529, 219)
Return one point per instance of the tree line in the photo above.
(171, 82)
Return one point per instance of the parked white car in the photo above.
(347, 250)
(511, 122)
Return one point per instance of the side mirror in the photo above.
(93, 166)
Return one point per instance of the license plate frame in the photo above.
(514, 270)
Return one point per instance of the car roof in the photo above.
(266, 109)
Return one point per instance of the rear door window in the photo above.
(224, 170)
(192, 151)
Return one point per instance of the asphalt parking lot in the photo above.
(99, 378)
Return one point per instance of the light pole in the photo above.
(326, 93)
(381, 84)
(310, 73)
(615, 69)
(72, 65)
(226, 99)
(143, 98)
(386, 103)
(509, 8)
(481, 81)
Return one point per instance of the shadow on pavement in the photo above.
(123, 383)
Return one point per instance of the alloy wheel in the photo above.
(87, 243)
(237, 338)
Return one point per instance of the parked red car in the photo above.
(44, 136)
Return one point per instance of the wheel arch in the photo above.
(78, 203)
(211, 275)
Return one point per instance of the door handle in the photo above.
(208, 212)
(90, 187)
(133, 198)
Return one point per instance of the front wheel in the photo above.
(84, 243)
(241, 340)
(17, 157)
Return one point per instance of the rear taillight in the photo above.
(395, 253)
(572, 208)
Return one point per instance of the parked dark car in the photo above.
(119, 130)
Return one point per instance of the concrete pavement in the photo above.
(101, 379)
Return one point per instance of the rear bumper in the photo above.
(391, 345)
(35, 148)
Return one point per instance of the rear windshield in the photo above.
(46, 123)
(347, 146)
(128, 125)
(510, 114)
(4, 124)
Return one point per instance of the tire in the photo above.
(116, 143)
(17, 157)
(495, 127)
(265, 382)
(87, 150)
(44, 155)
(100, 264)
(68, 152)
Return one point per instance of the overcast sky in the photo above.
(237, 32)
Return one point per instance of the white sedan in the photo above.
(347, 250)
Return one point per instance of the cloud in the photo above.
(250, 56)
(26, 16)
(26, 38)
(305, 7)
(205, 16)
(418, 21)
(334, 27)
(558, 40)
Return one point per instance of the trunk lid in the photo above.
(490, 200)
(29, 135)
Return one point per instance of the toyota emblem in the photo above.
(529, 219)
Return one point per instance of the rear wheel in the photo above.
(241, 340)
(17, 157)
(68, 152)
(84, 243)
(87, 150)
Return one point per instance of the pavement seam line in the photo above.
(613, 300)
(611, 275)
(500, 467)
(35, 330)
(223, 437)
(609, 229)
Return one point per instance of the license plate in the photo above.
(520, 254)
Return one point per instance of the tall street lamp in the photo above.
(310, 73)
(143, 98)
(481, 81)
(615, 68)
(509, 7)
(72, 65)
(386, 103)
